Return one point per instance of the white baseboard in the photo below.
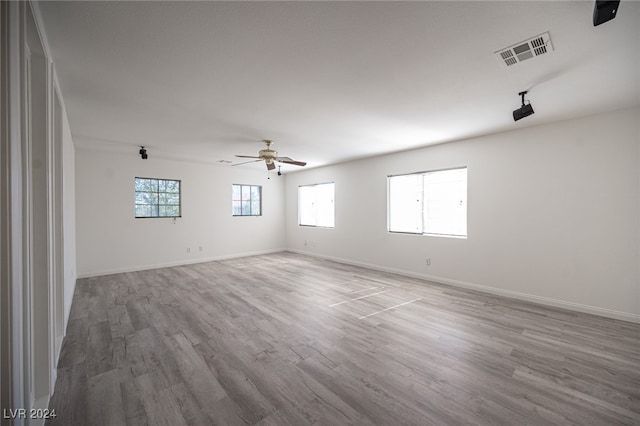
(563, 304)
(176, 263)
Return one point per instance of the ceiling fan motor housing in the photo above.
(268, 154)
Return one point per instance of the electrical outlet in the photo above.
(427, 261)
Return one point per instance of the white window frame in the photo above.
(155, 207)
(242, 212)
(417, 220)
(317, 210)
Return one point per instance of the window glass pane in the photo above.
(146, 211)
(140, 184)
(151, 198)
(143, 211)
(141, 197)
(161, 185)
(236, 192)
(246, 192)
(153, 185)
(324, 205)
(173, 199)
(445, 209)
(306, 205)
(255, 207)
(246, 207)
(255, 192)
(405, 203)
(237, 208)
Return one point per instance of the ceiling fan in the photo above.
(270, 156)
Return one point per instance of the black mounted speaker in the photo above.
(604, 11)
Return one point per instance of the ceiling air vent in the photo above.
(535, 46)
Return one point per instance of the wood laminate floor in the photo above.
(285, 339)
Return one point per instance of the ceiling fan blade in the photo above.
(248, 156)
(295, 163)
(246, 162)
(271, 166)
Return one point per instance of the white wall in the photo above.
(110, 239)
(553, 215)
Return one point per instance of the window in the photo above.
(246, 200)
(429, 203)
(315, 205)
(157, 197)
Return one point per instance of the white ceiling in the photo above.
(327, 81)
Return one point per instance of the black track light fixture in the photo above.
(143, 153)
(524, 111)
(604, 11)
